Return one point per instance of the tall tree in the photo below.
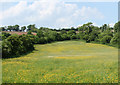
(117, 27)
(104, 27)
(31, 27)
(23, 28)
(2, 29)
(40, 33)
(10, 28)
(16, 28)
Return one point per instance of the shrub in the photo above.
(29, 32)
(5, 35)
(6, 49)
(16, 45)
(106, 39)
(73, 37)
(86, 37)
(27, 43)
(115, 41)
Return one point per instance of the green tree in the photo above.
(71, 32)
(53, 35)
(115, 40)
(10, 28)
(73, 37)
(27, 42)
(29, 33)
(63, 32)
(65, 37)
(23, 28)
(106, 39)
(5, 35)
(6, 49)
(105, 27)
(2, 29)
(40, 33)
(117, 27)
(16, 28)
(31, 27)
(72, 28)
(86, 37)
(16, 44)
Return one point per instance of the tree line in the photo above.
(14, 45)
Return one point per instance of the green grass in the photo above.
(0, 71)
(64, 62)
(0, 63)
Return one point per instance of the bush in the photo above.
(106, 39)
(42, 40)
(16, 45)
(5, 35)
(65, 37)
(27, 43)
(6, 49)
(86, 37)
(29, 32)
(115, 41)
(33, 38)
(73, 37)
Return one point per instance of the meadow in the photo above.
(64, 62)
(0, 63)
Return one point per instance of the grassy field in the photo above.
(0, 62)
(0, 71)
(66, 62)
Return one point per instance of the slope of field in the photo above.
(0, 62)
(66, 62)
(0, 71)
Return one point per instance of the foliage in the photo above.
(5, 35)
(106, 39)
(2, 29)
(13, 44)
(16, 45)
(115, 41)
(40, 33)
(23, 28)
(117, 27)
(29, 32)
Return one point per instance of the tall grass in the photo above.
(64, 62)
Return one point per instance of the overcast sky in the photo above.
(58, 14)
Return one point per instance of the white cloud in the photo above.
(96, 24)
(92, 0)
(111, 24)
(50, 14)
(64, 0)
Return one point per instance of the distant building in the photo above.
(19, 33)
